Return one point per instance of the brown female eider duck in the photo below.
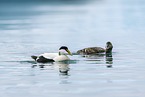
(52, 57)
(95, 50)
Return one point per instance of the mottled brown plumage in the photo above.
(95, 50)
(91, 50)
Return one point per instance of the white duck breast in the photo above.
(61, 58)
(55, 56)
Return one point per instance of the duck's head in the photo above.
(63, 50)
(109, 47)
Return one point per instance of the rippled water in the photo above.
(32, 28)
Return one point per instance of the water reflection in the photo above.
(109, 60)
(63, 72)
(40, 65)
(63, 67)
(99, 59)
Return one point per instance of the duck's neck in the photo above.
(61, 52)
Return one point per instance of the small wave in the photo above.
(33, 62)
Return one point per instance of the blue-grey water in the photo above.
(35, 27)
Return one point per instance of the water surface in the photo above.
(32, 28)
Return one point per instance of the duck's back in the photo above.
(50, 55)
(91, 50)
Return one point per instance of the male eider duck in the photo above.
(95, 50)
(53, 57)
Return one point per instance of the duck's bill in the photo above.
(69, 52)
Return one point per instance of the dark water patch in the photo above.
(41, 66)
(94, 56)
(22, 62)
(93, 60)
(34, 62)
(50, 1)
(69, 62)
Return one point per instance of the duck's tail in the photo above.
(34, 57)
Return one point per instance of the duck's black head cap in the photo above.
(109, 43)
(63, 47)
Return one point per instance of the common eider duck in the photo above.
(95, 50)
(53, 57)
